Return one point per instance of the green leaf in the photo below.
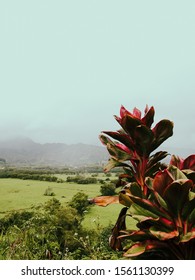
(163, 235)
(137, 210)
(149, 206)
(130, 189)
(117, 153)
(191, 218)
(191, 195)
(143, 219)
(105, 140)
(176, 173)
(135, 235)
(160, 200)
(176, 195)
(113, 163)
(188, 236)
(142, 247)
(188, 208)
(135, 250)
(125, 200)
(149, 182)
(135, 189)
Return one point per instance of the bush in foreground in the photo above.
(52, 231)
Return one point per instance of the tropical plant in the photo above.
(159, 196)
(135, 143)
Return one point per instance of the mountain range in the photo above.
(24, 151)
(27, 152)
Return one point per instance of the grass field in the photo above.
(18, 194)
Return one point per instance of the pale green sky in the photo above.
(67, 66)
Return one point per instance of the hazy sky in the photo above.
(67, 66)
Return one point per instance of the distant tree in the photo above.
(80, 203)
(108, 189)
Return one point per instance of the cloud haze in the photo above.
(67, 66)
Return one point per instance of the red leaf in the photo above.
(167, 222)
(123, 112)
(104, 200)
(176, 161)
(189, 163)
(137, 113)
(121, 137)
(161, 181)
(148, 119)
(124, 148)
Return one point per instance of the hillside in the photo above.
(27, 152)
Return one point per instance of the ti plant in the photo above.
(160, 197)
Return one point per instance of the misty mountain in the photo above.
(27, 152)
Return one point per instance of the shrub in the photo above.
(16, 218)
(51, 231)
(49, 192)
(108, 189)
(28, 174)
(80, 203)
(81, 179)
(45, 233)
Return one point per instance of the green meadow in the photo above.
(17, 194)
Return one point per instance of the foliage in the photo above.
(79, 179)
(108, 189)
(16, 218)
(80, 203)
(45, 235)
(51, 231)
(161, 198)
(26, 174)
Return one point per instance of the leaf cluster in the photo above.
(160, 197)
